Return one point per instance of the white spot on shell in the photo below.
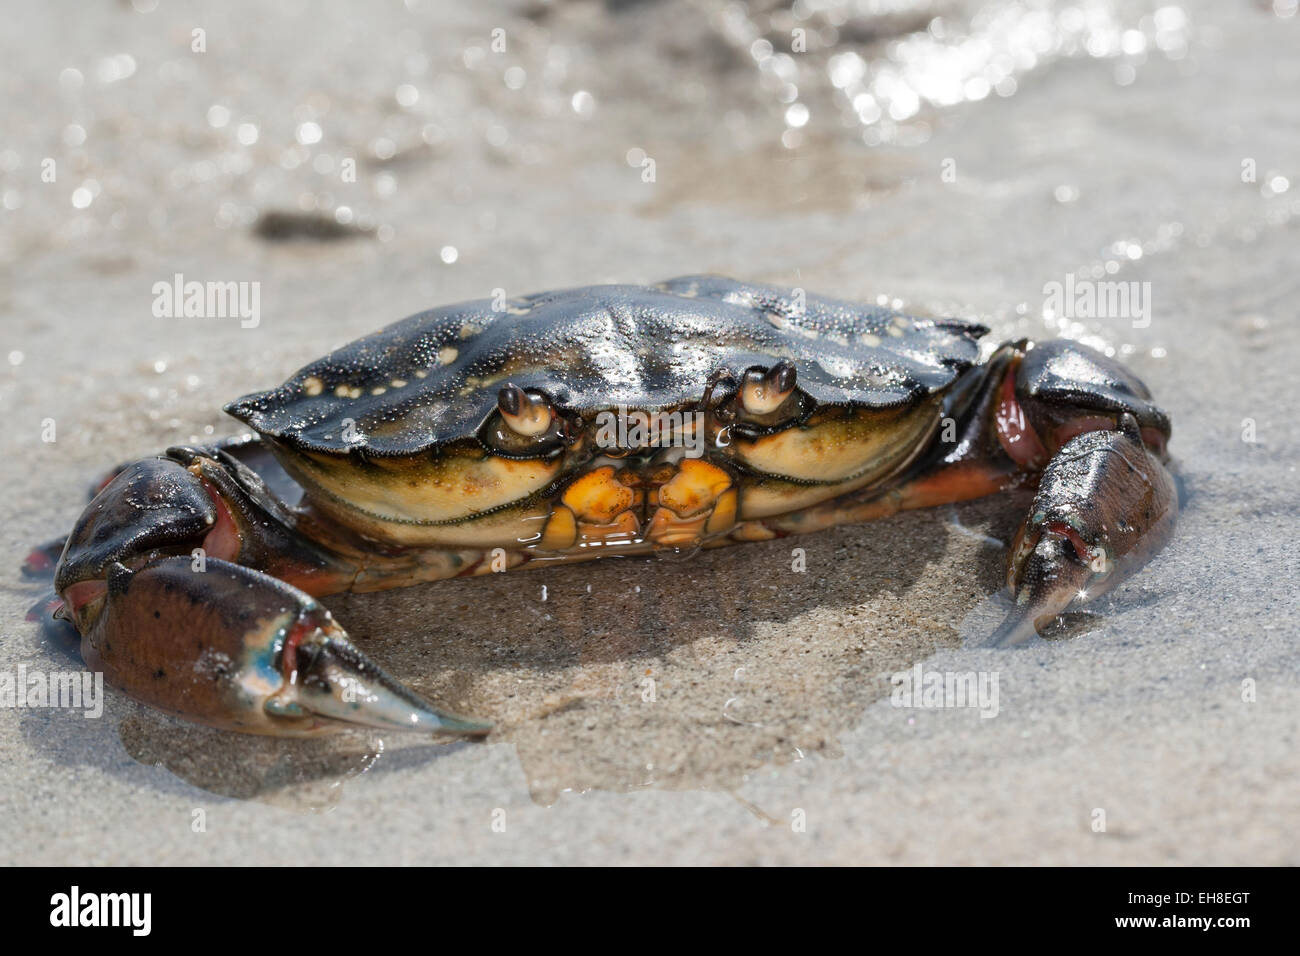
(869, 338)
(782, 322)
(312, 385)
(398, 382)
(447, 355)
(839, 367)
(378, 390)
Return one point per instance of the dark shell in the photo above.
(1074, 376)
(598, 347)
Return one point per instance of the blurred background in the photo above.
(363, 162)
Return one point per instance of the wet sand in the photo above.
(770, 737)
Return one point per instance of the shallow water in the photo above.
(954, 157)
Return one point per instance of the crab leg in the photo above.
(1093, 441)
(155, 578)
(1105, 501)
(1105, 505)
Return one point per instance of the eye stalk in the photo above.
(763, 392)
(528, 425)
(525, 415)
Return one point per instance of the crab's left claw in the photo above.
(234, 648)
(1105, 505)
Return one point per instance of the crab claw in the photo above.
(332, 680)
(237, 649)
(1105, 505)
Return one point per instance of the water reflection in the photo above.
(537, 88)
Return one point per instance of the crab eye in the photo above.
(524, 414)
(524, 425)
(762, 393)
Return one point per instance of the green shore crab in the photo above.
(500, 434)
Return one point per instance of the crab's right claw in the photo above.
(1105, 505)
(237, 649)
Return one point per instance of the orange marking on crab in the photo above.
(960, 482)
(624, 529)
(668, 530)
(561, 530)
(696, 486)
(753, 531)
(597, 497)
(723, 516)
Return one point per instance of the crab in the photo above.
(608, 420)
